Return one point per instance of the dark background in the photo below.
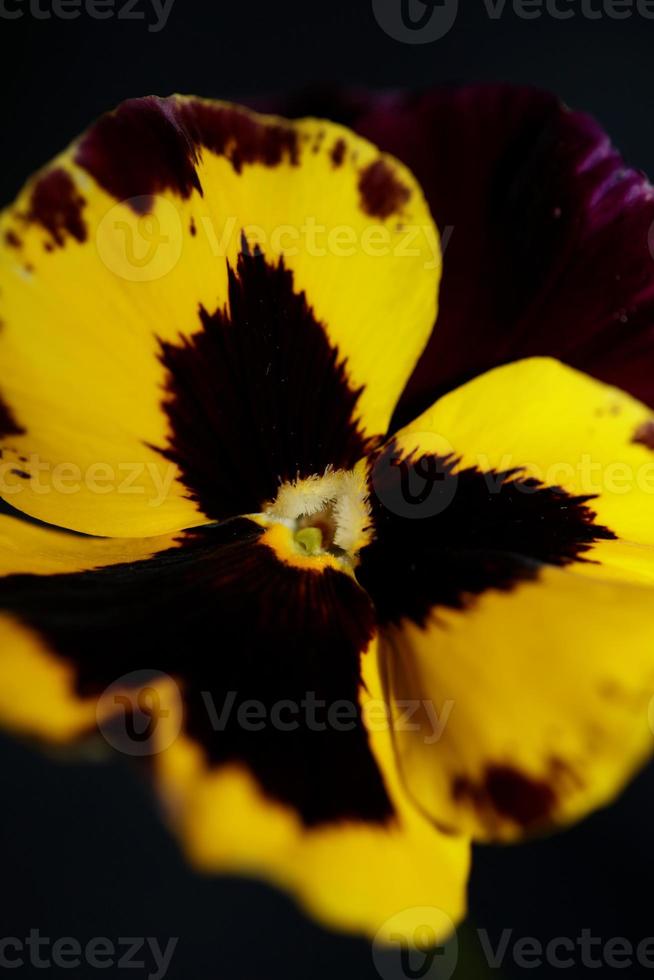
(83, 853)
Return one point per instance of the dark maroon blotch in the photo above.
(444, 536)
(232, 624)
(237, 135)
(151, 145)
(382, 193)
(257, 395)
(56, 204)
(338, 152)
(12, 239)
(527, 802)
(8, 424)
(644, 434)
(139, 150)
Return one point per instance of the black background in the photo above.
(83, 853)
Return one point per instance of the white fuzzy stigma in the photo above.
(340, 496)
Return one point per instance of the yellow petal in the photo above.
(37, 689)
(530, 708)
(39, 698)
(347, 843)
(351, 876)
(31, 549)
(558, 426)
(117, 245)
(513, 581)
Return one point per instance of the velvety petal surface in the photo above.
(547, 232)
(267, 733)
(511, 574)
(38, 694)
(129, 317)
(368, 878)
(529, 708)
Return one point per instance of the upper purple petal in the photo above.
(547, 233)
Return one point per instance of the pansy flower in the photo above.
(382, 578)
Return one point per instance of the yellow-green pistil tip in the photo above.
(309, 539)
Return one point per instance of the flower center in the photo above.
(326, 514)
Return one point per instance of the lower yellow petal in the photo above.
(37, 686)
(351, 876)
(37, 689)
(528, 709)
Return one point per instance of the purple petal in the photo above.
(547, 233)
